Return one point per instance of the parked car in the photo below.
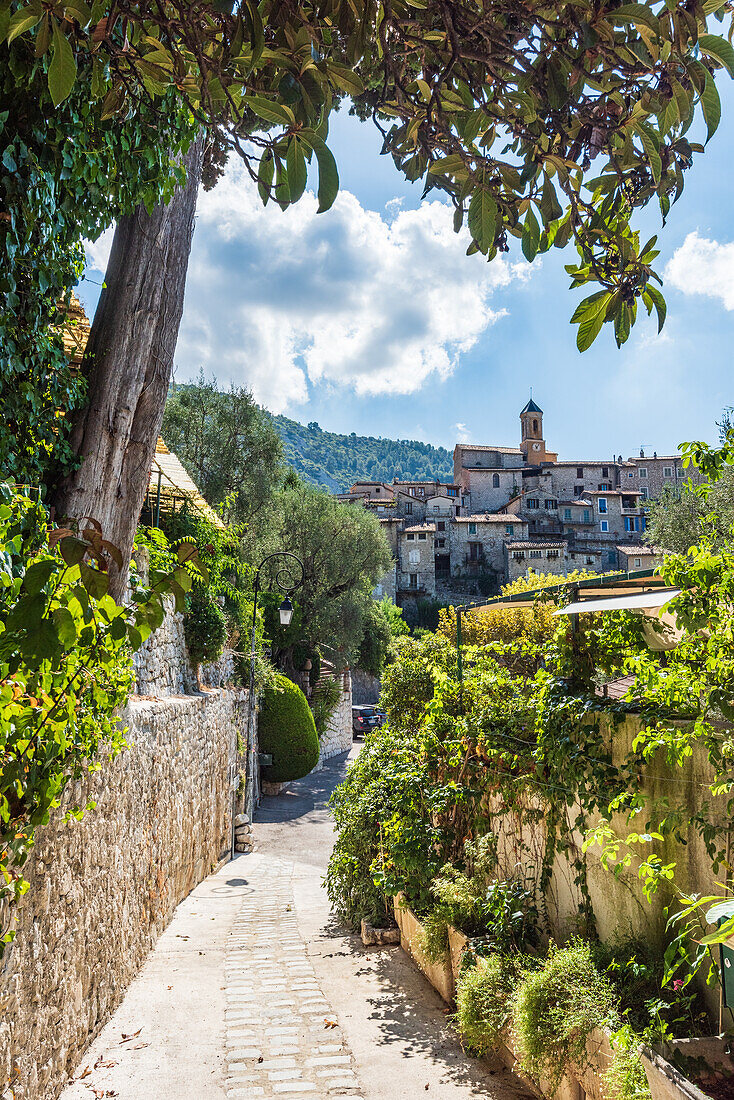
(365, 718)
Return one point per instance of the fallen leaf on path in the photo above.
(85, 1073)
(139, 1046)
(330, 1023)
(127, 1038)
(101, 1064)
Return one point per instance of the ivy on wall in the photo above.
(67, 174)
(65, 667)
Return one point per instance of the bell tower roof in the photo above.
(531, 407)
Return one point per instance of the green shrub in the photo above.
(385, 840)
(626, 1078)
(204, 625)
(483, 998)
(556, 1009)
(287, 731)
(324, 701)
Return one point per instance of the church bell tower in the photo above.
(532, 443)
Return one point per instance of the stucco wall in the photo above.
(620, 907)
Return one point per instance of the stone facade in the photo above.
(338, 736)
(595, 507)
(365, 688)
(416, 568)
(477, 543)
(104, 888)
(541, 557)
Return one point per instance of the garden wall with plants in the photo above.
(95, 889)
(338, 734)
(620, 904)
(580, 841)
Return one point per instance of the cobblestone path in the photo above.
(282, 1037)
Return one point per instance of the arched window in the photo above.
(495, 481)
(535, 425)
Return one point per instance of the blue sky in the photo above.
(371, 319)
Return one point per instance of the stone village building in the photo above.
(511, 509)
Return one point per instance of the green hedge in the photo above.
(287, 731)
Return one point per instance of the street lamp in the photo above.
(286, 612)
(286, 615)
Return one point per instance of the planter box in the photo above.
(576, 1084)
(667, 1082)
(439, 974)
(458, 944)
(443, 976)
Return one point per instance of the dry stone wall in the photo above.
(162, 665)
(103, 889)
(337, 737)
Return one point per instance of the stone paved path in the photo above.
(254, 992)
(282, 1037)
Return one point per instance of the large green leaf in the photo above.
(270, 110)
(714, 46)
(328, 173)
(639, 14)
(711, 106)
(295, 163)
(345, 79)
(483, 219)
(62, 70)
(24, 20)
(94, 580)
(659, 302)
(530, 237)
(591, 318)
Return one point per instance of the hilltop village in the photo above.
(510, 509)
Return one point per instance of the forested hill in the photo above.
(337, 461)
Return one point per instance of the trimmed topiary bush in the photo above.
(287, 731)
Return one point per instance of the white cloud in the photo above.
(701, 266)
(98, 252)
(462, 432)
(277, 300)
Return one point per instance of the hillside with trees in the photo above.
(336, 461)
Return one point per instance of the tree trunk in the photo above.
(128, 364)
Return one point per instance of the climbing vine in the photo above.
(65, 668)
(67, 174)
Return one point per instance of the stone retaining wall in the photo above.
(337, 737)
(162, 665)
(104, 888)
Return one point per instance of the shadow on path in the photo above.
(304, 795)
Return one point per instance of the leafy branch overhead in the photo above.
(504, 107)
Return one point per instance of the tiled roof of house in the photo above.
(639, 551)
(420, 527)
(582, 462)
(176, 487)
(575, 503)
(611, 492)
